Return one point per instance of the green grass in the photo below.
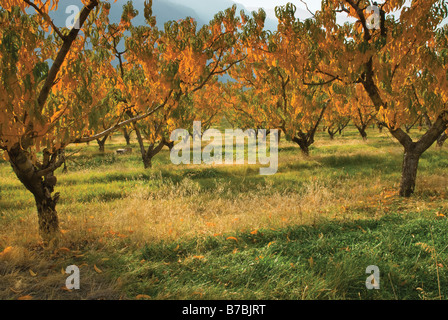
(225, 232)
(326, 261)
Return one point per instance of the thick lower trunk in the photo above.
(101, 147)
(48, 217)
(40, 182)
(304, 145)
(409, 173)
(413, 151)
(147, 162)
(127, 137)
(101, 144)
(362, 132)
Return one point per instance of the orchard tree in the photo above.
(273, 68)
(172, 66)
(48, 89)
(35, 96)
(400, 63)
(402, 68)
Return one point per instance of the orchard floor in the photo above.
(226, 232)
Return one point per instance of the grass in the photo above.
(225, 232)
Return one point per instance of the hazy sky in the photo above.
(312, 4)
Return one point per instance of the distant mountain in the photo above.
(164, 10)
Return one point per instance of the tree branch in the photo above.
(47, 18)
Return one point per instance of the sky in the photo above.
(271, 4)
(312, 4)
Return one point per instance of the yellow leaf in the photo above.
(32, 273)
(15, 291)
(97, 269)
(61, 250)
(198, 257)
(5, 251)
(311, 261)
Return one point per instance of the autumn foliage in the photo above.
(61, 86)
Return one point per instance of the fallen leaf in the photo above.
(27, 297)
(254, 232)
(32, 273)
(97, 269)
(61, 250)
(15, 291)
(5, 251)
(311, 261)
(232, 238)
(142, 296)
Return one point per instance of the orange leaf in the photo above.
(232, 238)
(27, 297)
(142, 296)
(254, 232)
(5, 251)
(97, 269)
(61, 250)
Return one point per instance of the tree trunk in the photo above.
(40, 181)
(48, 216)
(413, 151)
(441, 140)
(409, 172)
(304, 145)
(362, 131)
(147, 155)
(127, 136)
(101, 144)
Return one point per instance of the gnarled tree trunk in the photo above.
(39, 179)
(148, 154)
(414, 150)
(127, 136)
(101, 143)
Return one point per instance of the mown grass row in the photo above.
(225, 232)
